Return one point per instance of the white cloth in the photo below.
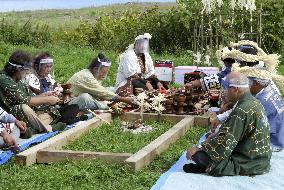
(129, 65)
(223, 116)
(33, 81)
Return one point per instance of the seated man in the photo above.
(242, 144)
(272, 101)
(17, 99)
(10, 130)
(88, 81)
(136, 69)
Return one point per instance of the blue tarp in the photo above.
(176, 179)
(7, 155)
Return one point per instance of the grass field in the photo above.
(88, 174)
(93, 174)
(111, 138)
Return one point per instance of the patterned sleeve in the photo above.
(2, 128)
(210, 82)
(33, 81)
(220, 147)
(13, 95)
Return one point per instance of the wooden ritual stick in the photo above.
(96, 115)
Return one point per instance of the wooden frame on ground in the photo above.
(49, 151)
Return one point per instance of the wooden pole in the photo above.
(96, 115)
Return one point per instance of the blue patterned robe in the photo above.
(274, 108)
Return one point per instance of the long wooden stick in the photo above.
(96, 115)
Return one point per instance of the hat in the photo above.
(238, 52)
(262, 74)
(99, 61)
(253, 72)
(144, 36)
(139, 37)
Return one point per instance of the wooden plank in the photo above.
(200, 121)
(28, 157)
(149, 152)
(131, 116)
(51, 156)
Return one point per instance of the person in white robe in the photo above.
(136, 69)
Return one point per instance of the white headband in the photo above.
(46, 61)
(107, 64)
(104, 63)
(19, 66)
(14, 65)
(239, 85)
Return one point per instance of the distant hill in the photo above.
(71, 17)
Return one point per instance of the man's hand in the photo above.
(211, 136)
(21, 125)
(191, 152)
(133, 77)
(125, 99)
(188, 86)
(149, 86)
(160, 86)
(193, 84)
(8, 139)
(52, 100)
(214, 121)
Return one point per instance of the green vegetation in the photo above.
(94, 174)
(74, 37)
(111, 138)
(71, 59)
(73, 17)
(115, 28)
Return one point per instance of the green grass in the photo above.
(93, 174)
(73, 17)
(111, 138)
(69, 60)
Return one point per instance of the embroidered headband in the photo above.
(23, 66)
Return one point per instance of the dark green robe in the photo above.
(242, 145)
(13, 94)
